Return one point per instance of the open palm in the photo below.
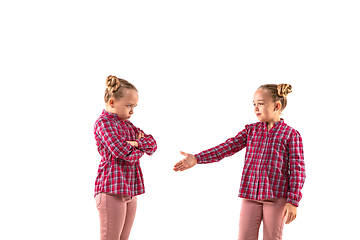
(188, 162)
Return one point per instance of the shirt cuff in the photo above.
(292, 198)
(198, 158)
(140, 145)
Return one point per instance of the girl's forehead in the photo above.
(130, 94)
(261, 95)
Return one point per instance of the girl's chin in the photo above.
(261, 119)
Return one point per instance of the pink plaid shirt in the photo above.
(119, 170)
(274, 161)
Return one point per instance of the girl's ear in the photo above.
(277, 106)
(111, 102)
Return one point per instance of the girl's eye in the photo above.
(261, 104)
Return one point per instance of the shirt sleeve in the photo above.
(116, 143)
(226, 149)
(147, 143)
(296, 169)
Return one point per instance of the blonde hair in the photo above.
(115, 86)
(278, 92)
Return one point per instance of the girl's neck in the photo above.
(270, 124)
(109, 109)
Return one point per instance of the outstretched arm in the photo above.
(188, 162)
(215, 154)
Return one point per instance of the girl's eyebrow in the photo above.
(259, 100)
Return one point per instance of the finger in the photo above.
(284, 212)
(183, 167)
(290, 218)
(287, 219)
(177, 168)
(178, 164)
(180, 168)
(184, 153)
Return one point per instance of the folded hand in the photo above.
(133, 143)
(139, 135)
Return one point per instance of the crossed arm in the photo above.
(139, 135)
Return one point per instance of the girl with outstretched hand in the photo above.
(274, 168)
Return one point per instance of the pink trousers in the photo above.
(117, 214)
(270, 211)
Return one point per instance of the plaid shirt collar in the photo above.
(111, 115)
(278, 123)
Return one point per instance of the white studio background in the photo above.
(196, 65)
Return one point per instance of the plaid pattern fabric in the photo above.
(274, 161)
(119, 170)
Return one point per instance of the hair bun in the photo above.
(284, 89)
(112, 83)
